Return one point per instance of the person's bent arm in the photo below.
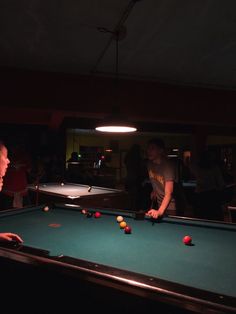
(169, 188)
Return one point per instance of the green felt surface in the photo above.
(154, 250)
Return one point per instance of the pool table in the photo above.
(151, 263)
(78, 194)
(232, 212)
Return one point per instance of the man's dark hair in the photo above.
(157, 142)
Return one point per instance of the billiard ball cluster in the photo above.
(187, 240)
(123, 225)
(90, 214)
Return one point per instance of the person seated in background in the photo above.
(74, 157)
(162, 176)
(4, 162)
(209, 188)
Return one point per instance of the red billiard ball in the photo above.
(97, 214)
(187, 240)
(127, 229)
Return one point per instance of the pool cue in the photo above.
(154, 202)
(37, 192)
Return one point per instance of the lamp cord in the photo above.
(117, 55)
(121, 22)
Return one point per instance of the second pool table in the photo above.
(79, 194)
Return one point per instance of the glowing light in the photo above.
(116, 129)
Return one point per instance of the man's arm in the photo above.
(169, 188)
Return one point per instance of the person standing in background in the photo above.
(135, 175)
(162, 176)
(209, 187)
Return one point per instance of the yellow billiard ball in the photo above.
(123, 224)
(119, 218)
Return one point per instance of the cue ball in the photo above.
(119, 218)
(62, 184)
(97, 215)
(187, 240)
(84, 211)
(127, 229)
(123, 224)
(46, 209)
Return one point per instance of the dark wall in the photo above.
(47, 98)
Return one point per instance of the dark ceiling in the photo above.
(187, 44)
(175, 41)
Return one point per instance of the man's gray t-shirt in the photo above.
(158, 175)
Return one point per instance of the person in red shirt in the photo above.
(16, 181)
(4, 162)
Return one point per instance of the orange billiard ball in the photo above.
(123, 224)
(187, 240)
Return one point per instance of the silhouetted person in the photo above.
(209, 188)
(135, 175)
(74, 157)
